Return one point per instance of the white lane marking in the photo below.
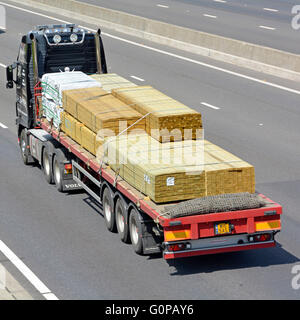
(269, 9)
(240, 75)
(137, 78)
(210, 106)
(268, 28)
(2, 65)
(32, 278)
(209, 16)
(222, 1)
(162, 6)
(3, 126)
(50, 296)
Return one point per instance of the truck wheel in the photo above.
(57, 174)
(135, 228)
(122, 225)
(23, 147)
(108, 211)
(47, 167)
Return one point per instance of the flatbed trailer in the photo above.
(186, 236)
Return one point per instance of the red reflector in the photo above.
(68, 166)
(265, 237)
(176, 247)
(262, 237)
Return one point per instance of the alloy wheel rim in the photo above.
(47, 165)
(57, 172)
(120, 220)
(134, 232)
(107, 211)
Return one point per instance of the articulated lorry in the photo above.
(150, 227)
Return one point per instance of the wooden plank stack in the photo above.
(80, 133)
(153, 168)
(111, 81)
(71, 98)
(107, 112)
(166, 170)
(226, 173)
(92, 112)
(169, 172)
(164, 114)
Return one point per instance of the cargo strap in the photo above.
(116, 178)
(144, 116)
(100, 169)
(104, 145)
(105, 149)
(51, 125)
(59, 132)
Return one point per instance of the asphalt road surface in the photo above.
(263, 22)
(62, 238)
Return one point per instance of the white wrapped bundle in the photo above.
(51, 111)
(53, 84)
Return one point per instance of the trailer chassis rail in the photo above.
(77, 169)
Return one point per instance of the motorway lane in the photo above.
(63, 239)
(246, 20)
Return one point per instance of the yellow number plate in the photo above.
(222, 228)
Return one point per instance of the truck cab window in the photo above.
(22, 53)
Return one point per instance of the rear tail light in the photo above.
(68, 168)
(178, 246)
(260, 237)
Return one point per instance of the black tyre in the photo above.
(108, 210)
(121, 220)
(24, 147)
(57, 174)
(135, 230)
(47, 166)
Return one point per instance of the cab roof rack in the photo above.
(55, 26)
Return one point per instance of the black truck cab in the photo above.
(48, 49)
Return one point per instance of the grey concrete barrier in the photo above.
(259, 58)
(2, 18)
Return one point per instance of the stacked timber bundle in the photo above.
(80, 133)
(53, 85)
(154, 168)
(108, 114)
(167, 119)
(71, 98)
(226, 173)
(163, 165)
(91, 114)
(177, 170)
(111, 81)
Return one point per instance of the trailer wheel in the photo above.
(47, 167)
(57, 174)
(122, 225)
(24, 147)
(135, 228)
(108, 210)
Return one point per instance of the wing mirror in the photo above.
(10, 76)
